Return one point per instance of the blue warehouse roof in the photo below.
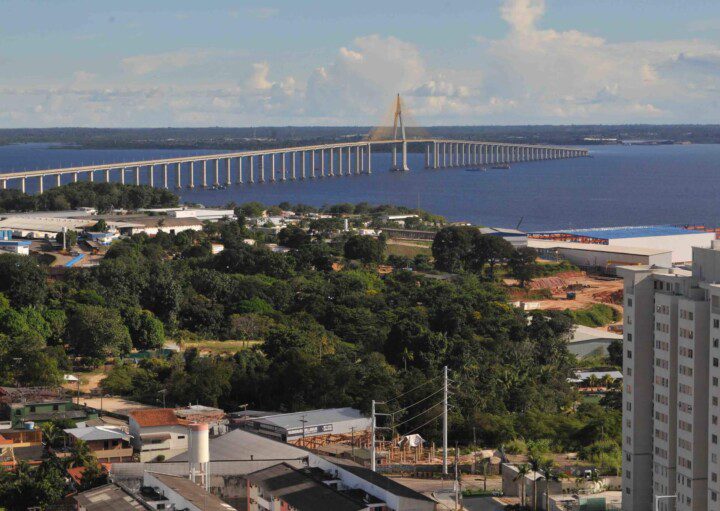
(641, 231)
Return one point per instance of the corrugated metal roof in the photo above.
(312, 418)
(300, 490)
(241, 445)
(97, 433)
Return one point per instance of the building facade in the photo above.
(670, 396)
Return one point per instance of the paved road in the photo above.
(483, 504)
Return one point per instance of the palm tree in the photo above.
(550, 475)
(535, 466)
(80, 454)
(607, 381)
(523, 470)
(52, 434)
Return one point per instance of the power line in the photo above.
(412, 389)
(418, 415)
(417, 402)
(425, 423)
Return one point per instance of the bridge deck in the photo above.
(250, 153)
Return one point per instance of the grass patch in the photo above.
(409, 251)
(220, 347)
(596, 315)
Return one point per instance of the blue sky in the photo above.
(238, 63)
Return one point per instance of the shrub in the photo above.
(516, 446)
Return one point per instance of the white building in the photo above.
(605, 257)
(671, 374)
(677, 240)
(158, 433)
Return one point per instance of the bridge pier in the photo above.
(272, 167)
(349, 161)
(303, 163)
(40, 184)
(3, 184)
(240, 170)
(262, 167)
(91, 176)
(178, 176)
(369, 159)
(58, 182)
(217, 172)
(151, 175)
(357, 160)
(312, 164)
(22, 185)
(165, 176)
(191, 185)
(252, 170)
(204, 174)
(322, 162)
(228, 170)
(137, 175)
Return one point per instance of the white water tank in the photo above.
(199, 444)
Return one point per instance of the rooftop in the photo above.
(300, 490)
(155, 417)
(633, 231)
(239, 445)
(108, 498)
(191, 492)
(381, 481)
(93, 433)
(586, 333)
(311, 418)
(594, 247)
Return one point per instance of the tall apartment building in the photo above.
(670, 396)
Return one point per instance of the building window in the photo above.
(181, 437)
(629, 337)
(629, 354)
(716, 322)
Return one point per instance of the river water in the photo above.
(618, 185)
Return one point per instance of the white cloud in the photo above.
(533, 73)
(259, 78)
(145, 64)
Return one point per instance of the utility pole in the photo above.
(372, 438)
(445, 421)
(457, 480)
(352, 441)
(303, 421)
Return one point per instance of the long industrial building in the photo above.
(605, 258)
(677, 240)
(312, 428)
(671, 385)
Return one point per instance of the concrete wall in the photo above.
(176, 444)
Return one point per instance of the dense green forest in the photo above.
(101, 196)
(269, 137)
(327, 335)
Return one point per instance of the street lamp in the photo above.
(659, 497)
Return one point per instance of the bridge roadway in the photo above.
(315, 161)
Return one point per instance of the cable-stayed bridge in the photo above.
(281, 164)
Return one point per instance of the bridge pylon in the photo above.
(398, 123)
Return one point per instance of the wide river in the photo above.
(618, 185)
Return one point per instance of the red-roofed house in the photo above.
(158, 434)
